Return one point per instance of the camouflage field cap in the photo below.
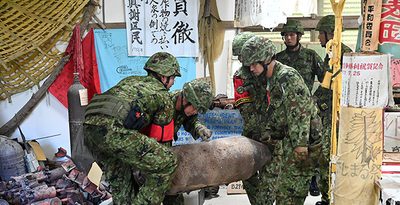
(239, 40)
(292, 26)
(257, 49)
(327, 24)
(198, 93)
(164, 64)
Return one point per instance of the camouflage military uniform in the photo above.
(114, 125)
(198, 93)
(291, 114)
(250, 98)
(306, 62)
(292, 121)
(324, 101)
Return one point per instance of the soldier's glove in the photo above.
(203, 132)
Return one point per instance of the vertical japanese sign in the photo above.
(365, 80)
(372, 18)
(359, 156)
(162, 25)
(389, 34)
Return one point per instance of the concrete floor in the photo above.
(234, 199)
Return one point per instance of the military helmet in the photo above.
(257, 49)
(198, 93)
(239, 40)
(292, 26)
(164, 64)
(326, 23)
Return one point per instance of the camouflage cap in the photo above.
(292, 26)
(239, 40)
(257, 49)
(198, 93)
(164, 64)
(327, 24)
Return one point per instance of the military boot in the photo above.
(314, 191)
(322, 203)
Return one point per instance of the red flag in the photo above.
(83, 61)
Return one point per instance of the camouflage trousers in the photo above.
(294, 178)
(323, 184)
(120, 153)
(261, 187)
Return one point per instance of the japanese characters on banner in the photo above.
(359, 156)
(389, 33)
(114, 63)
(162, 25)
(223, 123)
(372, 18)
(395, 72)
(365, 80)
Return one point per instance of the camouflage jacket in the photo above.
(306, 61)
(144, 93)
(250, 96)
(189, 123)
(292, 110)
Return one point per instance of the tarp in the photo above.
(115, 64)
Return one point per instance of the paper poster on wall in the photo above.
(389, 35)
(365, 80)
(162, 25)
(392, 132)
(114, 63)
(359, 156)
(395, 72)
(223, 123)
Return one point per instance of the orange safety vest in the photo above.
(162, 133)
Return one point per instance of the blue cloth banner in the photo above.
(114, 63)
(223, 123)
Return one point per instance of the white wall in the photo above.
(51, 117)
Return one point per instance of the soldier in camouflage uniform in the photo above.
(195, 97)
(125, 128)
(306, 61)
(250, 97)
(326, 28)
(291, 119)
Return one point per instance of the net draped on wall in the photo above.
(29, 31)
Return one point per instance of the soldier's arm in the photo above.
(297, 105)
(318, 67)
(190, 124)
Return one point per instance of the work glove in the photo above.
(203, 132)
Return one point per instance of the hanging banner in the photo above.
(371, 19)
(395, 72)
(270, 13)
(115, 64)
(359, 156)
(162, 25)
(365, 80)
(389, 33)
(223, 123)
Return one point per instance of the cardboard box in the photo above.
(236, 188)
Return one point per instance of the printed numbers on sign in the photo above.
(237, 186)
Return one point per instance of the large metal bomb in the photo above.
(217, 162)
